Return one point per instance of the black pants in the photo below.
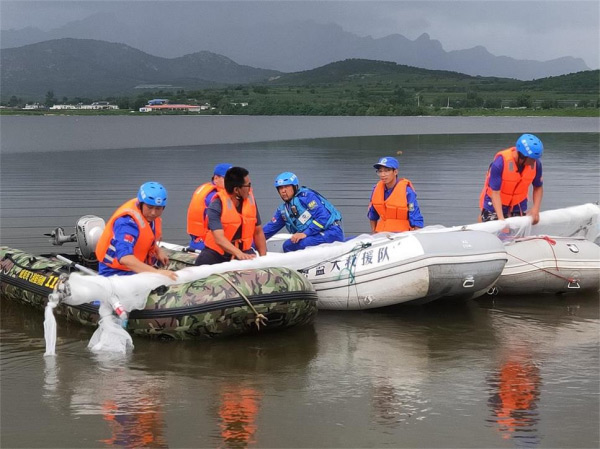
(488, 215)
(210, 257)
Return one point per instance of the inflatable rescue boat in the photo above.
(223, 304)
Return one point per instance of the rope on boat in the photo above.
(551, 242)
(31, 260)
(352, 265)
(259, 318)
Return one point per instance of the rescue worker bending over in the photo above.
(233, 222)
(393, 206)
(306, 214)
(197, 225)
(508, 179)
(128, 244)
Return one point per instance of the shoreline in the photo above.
(73, 133)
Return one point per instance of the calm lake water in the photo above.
(518, 372)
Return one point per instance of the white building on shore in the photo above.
(97, 105)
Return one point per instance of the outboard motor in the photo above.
(88, 231)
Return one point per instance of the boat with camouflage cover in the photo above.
(220, 305)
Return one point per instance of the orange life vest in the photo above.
(196, 223)
(515, 185)
(145, 246)
(393, 211)
(232, 220)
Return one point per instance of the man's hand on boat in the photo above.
(168, 273)
(295, 238)
(240, 255)
(535, 215)
(161, 256)
(137, 266)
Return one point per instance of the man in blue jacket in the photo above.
(307, 215)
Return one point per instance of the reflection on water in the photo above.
(238, 410)
(140, 427)
(355, 379)
(516, 390)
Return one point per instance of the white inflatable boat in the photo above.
(560, 254)
(538, 265)
(385, 269)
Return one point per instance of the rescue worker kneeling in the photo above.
(128, 244)
(233, 222)
(306, 214)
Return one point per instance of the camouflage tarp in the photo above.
(204, 308)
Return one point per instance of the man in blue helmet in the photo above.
(128, 244)
(307, 215)
(508, 179)
(197, 222)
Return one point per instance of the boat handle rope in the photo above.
(259, 318)
(571, 281)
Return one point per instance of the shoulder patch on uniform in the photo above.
(411, 207)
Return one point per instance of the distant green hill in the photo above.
(588, 81)
(91, 68)
(365, 71)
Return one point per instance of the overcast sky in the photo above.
(539, 30)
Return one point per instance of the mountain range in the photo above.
(91, 68)
(295, 46)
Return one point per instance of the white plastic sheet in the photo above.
(131, 291)
(576, 221)
(50, 328)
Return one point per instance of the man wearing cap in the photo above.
(196, 217)
(393, 206)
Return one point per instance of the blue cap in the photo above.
(387, 161)
(221, 169)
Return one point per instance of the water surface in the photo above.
(492, 372)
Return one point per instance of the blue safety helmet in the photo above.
(530, 146)
(221, 169)
(286, 179)
(153, 194)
